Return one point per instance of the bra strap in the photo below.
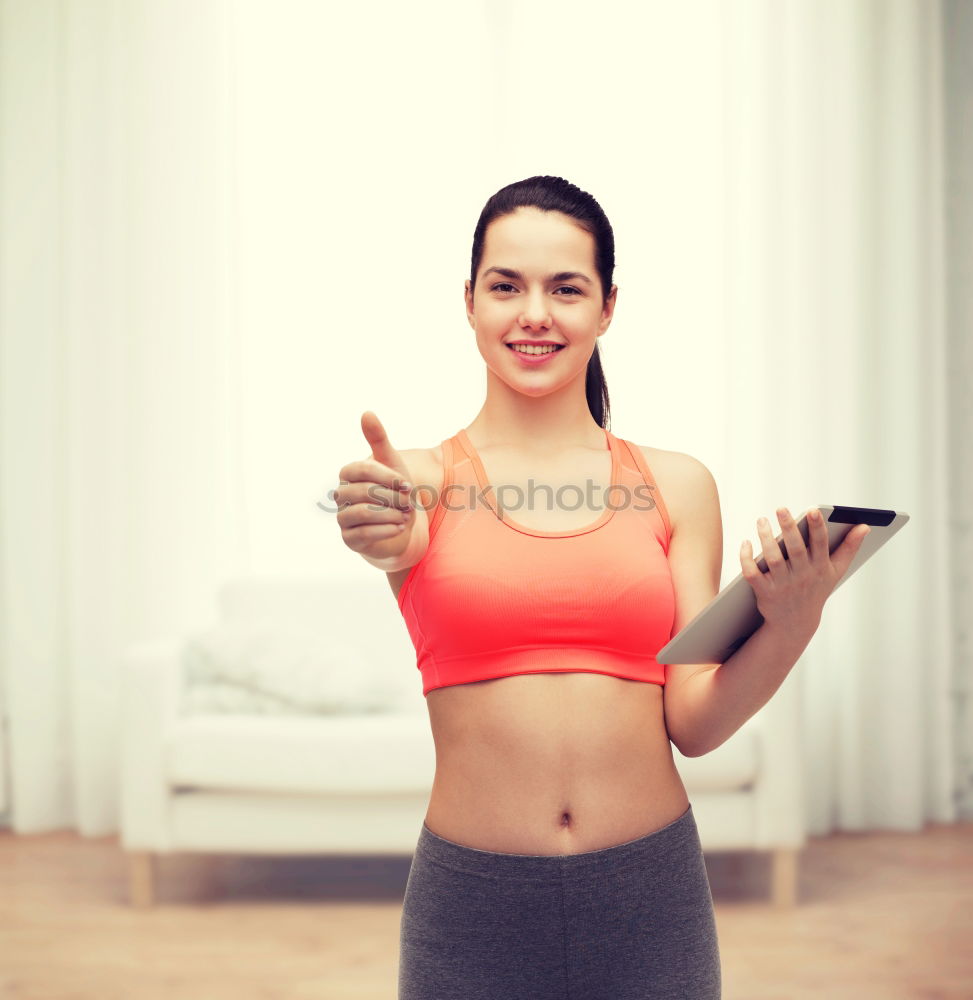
(639, 459)
(437, 513)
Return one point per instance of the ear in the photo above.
(470, 318)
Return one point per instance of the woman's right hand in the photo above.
(372, 504)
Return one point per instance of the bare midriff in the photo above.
(556, 763)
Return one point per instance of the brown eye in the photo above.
(505, 284)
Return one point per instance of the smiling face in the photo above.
(537, 283)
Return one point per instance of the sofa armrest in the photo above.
(152, 686)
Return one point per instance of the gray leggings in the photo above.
(629, 922)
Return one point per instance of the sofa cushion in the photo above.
(282, 667)
(354, 755)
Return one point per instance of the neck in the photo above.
(547, 424)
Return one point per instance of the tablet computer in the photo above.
(726, 623)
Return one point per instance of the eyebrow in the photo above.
(560, 276)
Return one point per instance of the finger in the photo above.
(363, 536)
(358, 514)
(846, 552)
(371, 492)
(793, 542)
(751, 571)
(776, 564)
(817, 535)
(368, 470)
(382, 449)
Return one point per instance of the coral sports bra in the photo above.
(492, 598)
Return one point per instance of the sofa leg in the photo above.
(141, 878)
(784, 877)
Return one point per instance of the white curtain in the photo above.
(230, 228)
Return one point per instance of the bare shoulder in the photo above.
(425, 466)
(687, 485)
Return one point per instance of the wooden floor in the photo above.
(882, 915)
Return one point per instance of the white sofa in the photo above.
(360, 784)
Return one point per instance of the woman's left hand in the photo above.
(791, 592)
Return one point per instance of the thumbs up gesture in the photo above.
(375, 516)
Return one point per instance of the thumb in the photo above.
(382, 450)
(842, 557)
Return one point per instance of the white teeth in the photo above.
(531, 349)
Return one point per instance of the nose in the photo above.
(536, 313)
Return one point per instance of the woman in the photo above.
(559, 856)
